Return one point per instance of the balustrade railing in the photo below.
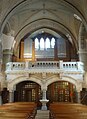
(45, 65)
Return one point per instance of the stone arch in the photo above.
(39, 24)
(11, 84)
(66, 78)
(7, 28)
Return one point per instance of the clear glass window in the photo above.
(47, 43)
(41, 44)
(36, 43)
(52, 42)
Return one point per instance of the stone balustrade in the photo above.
(37, 65)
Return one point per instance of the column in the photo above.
(0, 98)
(7, 57)
(55, 51)
(83, 51)
(11, 96)
(44, 95)
(26, 65)
(22, 50)
(78, 97)
(44, 100)
(83, 58)
(7, 45)
(1, 55)
(33, 50)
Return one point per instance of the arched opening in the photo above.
(61, 91)
(28, 91)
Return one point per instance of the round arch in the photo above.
(11, 84)
(20, 4)
(40, 24)
(65, 78)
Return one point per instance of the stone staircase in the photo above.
(41, 114)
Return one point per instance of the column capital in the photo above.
(7, 51)
(82, 52)
(11, 91)
(7, 41)
(44, 88)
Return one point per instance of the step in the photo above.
(41, 114)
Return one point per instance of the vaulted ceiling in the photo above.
(22, 17)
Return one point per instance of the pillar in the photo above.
(78, 97)
(55, 51)
(1, 55)
(44, 100)
(83, 51)
(7, 57)
(22, 50)
(11, 96)
(7, 44)
(33, 50)
(44, 95)
(0, 98)
(83, 58)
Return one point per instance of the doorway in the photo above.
(61, 91)
(28, 91)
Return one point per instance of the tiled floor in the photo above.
(42, 114)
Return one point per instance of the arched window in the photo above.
(36, 43)
(47, 43)
(41, 44)
(52, 42)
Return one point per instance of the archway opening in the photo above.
(28, 91)
(61, 91)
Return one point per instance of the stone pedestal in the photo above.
(44, 107)
(44, 101)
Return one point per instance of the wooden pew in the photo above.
(23, 110)
(67, 111)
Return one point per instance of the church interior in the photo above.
(43, 59)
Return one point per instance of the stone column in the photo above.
(83, 58)
(78, 97)
(55, 51)
(7, 45)
(7, 57)
(26, 65)
(0, 98)
(44, 100)
(11, 96)
(1, 55)
(44, 95)
(83, 51)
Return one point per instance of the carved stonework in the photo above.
(43, 75)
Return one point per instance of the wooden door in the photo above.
(28, 91)
(60, 91)
(28, 95)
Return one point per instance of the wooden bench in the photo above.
(19, 110)
(67, 111)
